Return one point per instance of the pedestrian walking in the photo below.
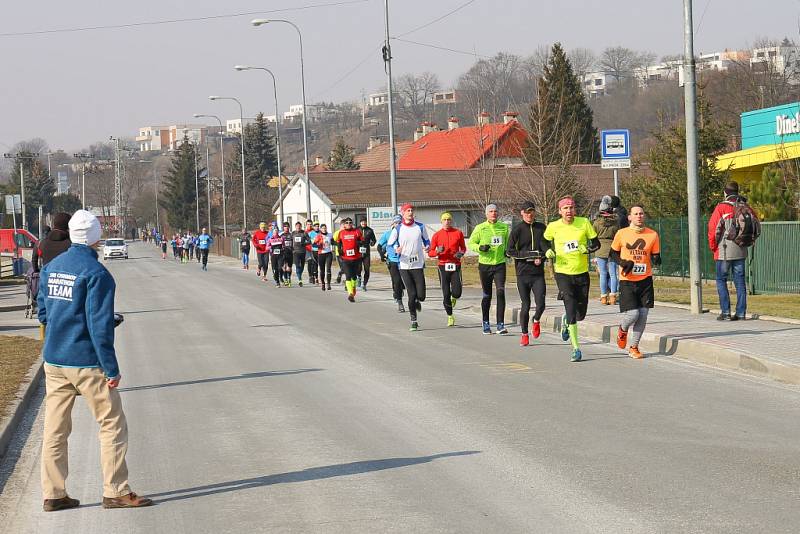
(77, 308)
(606, 225)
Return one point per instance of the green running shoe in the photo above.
(414, 326)
(451, 320)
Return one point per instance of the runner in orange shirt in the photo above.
(635, 249)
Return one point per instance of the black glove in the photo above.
(440, 249)
(485, 248)
(459, 255)
(627, 266)
(656, 259)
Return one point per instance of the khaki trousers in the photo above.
(63, 385)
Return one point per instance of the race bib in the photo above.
(413, 259)
(570, 246)
(639, 268)
(262, 242)
(349, 253)
(497, 240)
(298, 239)
(450, 267)
(276, 251)
(362, 250)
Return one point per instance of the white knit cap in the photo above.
(84, 228)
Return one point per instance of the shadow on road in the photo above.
(262, 374)
(312, 473)
(151, 311)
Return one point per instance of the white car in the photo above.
(115, 248)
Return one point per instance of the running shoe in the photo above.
(576, 355)
(414, 326)
(400, 307)
(501, 329)
(277, 284)
(351, 297)
(300, 283)
(634, 353)
(564, 328)
(329, 286)
(537, 329)
(339, 279)
(323, 287)
(453, 301)
(524, 340)
(622, 338)
(604, 299)
(451, 320)
(487, 328)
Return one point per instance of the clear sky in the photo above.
(74, 88)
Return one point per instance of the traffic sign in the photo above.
(616, 144)
(13, 204)
(616, 163)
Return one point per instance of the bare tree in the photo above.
(493, 84)
(583, 62)
(621, 63)
(416, 96)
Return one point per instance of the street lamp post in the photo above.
(196, 190)
(244, 185)
(83, 157)
(222, 170)
(208, 185)
(387, 58)
(277, 133)
(260, 22)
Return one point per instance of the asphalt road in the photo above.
(256, 409)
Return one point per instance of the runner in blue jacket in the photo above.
(392, 260)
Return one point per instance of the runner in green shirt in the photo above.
(489, 240)
(572, 239)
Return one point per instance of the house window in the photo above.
(598, 82)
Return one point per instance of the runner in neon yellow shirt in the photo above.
(572, 239)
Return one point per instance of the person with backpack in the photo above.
(732, 229)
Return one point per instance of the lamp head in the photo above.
(259, 22)
(242, 67)
(213, 97)
(197, 115)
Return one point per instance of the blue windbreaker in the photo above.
(204, 241)
(391, 255)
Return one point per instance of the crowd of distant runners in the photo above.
(623, 249)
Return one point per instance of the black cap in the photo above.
(528, 206)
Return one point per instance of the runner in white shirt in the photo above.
(410, 240)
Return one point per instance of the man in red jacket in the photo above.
(728, 255)
(260, 244)
(448, 245)
(349, 241)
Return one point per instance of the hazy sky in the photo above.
(76, 88)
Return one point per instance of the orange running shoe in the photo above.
(634, 353)
(622, 338)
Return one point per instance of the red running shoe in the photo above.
(537, 329)
(523, 341)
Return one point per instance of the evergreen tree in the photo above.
(39, 186)
(67, 203)
(774, 196)
(561, 122)
(178, 198)
(342, 157)
(664, 192)
(261, 163)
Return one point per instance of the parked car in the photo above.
(115, 248)
(19, 247)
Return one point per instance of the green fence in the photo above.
(773, 264)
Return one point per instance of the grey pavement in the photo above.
(12, 313)
(256, 409)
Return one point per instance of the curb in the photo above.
(9, 424)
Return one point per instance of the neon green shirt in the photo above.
(567, 238)
(493, 234)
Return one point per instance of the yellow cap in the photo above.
(446, 215)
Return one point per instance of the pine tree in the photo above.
(561, 122)
(179, 189)
(39, 186)
(664, 192)
(260, 165)
(773, 197)
(342, 157)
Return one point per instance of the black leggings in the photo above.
(299, 264)
(397, 280)
(324, 262)
(525, 284)
(204, 255)
(366, 261)
(451, 287)
(575, 288)
(340, 261)
(352, 269)
(313, 261)
(493, 274)
(414, 280)
(277, 267)
(263, 262)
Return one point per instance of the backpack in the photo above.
(744, 227)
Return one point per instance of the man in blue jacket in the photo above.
(76, 304)
(203, 243)
(392, 259)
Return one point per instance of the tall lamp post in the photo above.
(387, 58)
(222, 170)
(83, 157)
(196, 190)
(244, 185)
(277, 133)
(261, 22)
(22, 156)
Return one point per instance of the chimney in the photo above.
(373, 142)
(509, 116)
(318, 160)
(418, 134)
(426, 128)
(452, 123)
(483, 118)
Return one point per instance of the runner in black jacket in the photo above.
(365, 248)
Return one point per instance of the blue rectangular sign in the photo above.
(615, 144)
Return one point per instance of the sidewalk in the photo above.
(12, 313)
(759, 347)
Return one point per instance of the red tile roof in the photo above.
(377, 159)
(463, 148)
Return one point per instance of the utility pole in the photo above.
(196, 190)
(83, 157)
(208, 183)
(22, 157)
(693, 192)
(387, 58)
(117, 184)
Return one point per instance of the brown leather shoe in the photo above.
(65, 503)
(130, 500)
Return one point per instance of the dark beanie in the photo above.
(731, 188)
(61, 221)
